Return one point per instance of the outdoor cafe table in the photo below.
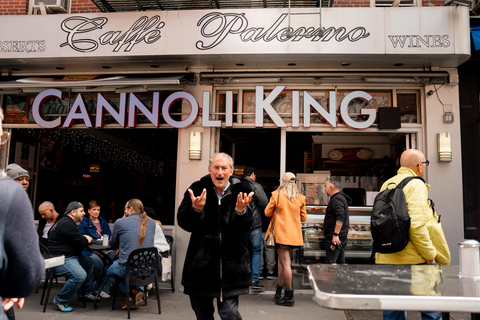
(51, 261)
(395, 287)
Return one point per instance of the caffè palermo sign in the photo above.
(125, 114)
(424, 30)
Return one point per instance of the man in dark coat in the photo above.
(65, 238)
(336, 222)
(217, 265)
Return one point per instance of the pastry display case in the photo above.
(359, 245)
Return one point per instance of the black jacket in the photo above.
(65, 238)
(337, 210)
(258, 204)
(217, 263)
(41, 225)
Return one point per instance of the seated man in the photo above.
(65, 238)
(133, 231)
(50, 216)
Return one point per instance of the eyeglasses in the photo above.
(126, 208)
(426, 163)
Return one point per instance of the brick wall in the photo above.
(351, 3)
(83, 6)
(13, 7)
(19, 7)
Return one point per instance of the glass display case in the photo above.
(359, 243)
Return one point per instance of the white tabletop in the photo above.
(53, 260)
(394, 287)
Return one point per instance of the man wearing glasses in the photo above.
(424, 246)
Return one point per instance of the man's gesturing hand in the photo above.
(198, 202)
(243, 200)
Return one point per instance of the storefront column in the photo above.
(189, 171)
(445, 178)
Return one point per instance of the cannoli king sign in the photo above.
(263, 106)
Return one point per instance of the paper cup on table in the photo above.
(469, 259)
(105, 240)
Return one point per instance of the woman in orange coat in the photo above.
(287, 231)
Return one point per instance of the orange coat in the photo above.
(290, 214)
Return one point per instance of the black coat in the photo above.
(217, 263)
(337, 210)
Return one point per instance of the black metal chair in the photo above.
(141, 270)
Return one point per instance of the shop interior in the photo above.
(362, 162)
(107, 165)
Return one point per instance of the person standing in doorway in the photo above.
(288, 205)
(216, 211)
(254, 237)
(336, 222)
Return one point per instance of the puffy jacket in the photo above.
(290, 215)
(217, 262)
(87, 227)
(427, 240)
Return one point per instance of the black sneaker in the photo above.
(257, 285)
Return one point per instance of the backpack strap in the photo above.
(404, 182)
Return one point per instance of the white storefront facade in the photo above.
(322, 74)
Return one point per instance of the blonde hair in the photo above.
(137, 206)
(290, 189)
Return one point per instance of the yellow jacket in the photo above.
(427, 240)
(290, 215)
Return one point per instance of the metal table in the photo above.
(394, 287)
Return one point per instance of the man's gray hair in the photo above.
(221, 155)
(335, 182)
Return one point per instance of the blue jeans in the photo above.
(254, 239)
(117, 270)
(402, 315)
(79, 273)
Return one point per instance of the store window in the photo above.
(108, 165)
(18, 108)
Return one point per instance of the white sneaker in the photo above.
(105, 295)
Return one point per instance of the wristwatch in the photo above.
(335, 234)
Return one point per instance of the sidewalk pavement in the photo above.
(259, 304)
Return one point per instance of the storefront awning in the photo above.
(117, 83)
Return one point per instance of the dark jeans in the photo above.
(204, 309)
(335, 254)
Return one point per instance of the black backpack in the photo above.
(390, 222)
